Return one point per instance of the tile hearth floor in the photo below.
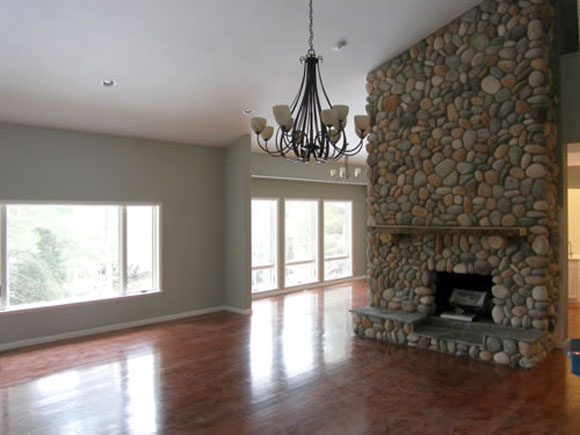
(292, 367)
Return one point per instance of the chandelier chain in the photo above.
(311, 27)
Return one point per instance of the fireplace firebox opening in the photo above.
(464, 297)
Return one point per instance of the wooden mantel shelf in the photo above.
(437, 229)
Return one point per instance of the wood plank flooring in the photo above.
(294, 366)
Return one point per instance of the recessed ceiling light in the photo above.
(339, 45)
(248, 111)
(108, 83)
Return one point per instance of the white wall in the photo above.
(54, 165)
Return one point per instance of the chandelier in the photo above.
(306, 131)
(345, 173)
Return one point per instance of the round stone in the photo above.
(540, 245)
(500, 291)
(536, 170)
(498, 315)
(491, 85)
(493, 344)
(423, 291)
(535, 30)
(485, 356)
(501, 358)
(536, 79)
(510, 347)
(540, 293)
(464, 220)
(445, 167)
(496, 242)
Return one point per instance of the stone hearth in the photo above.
(463, 148)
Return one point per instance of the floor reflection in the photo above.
(115, 397)
(298, 323)
(298, 335)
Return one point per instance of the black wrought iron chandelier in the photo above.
(306, 131)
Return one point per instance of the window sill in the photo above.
(19, 309)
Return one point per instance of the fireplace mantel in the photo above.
(435, 229)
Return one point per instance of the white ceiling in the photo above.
(187, 68)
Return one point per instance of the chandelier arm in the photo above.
(300, 88)
(311, 108)
(355, 150)
(323, 88)
(264, 146)
(283, 145)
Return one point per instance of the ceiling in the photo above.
(186, 69)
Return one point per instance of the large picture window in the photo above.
(264, 244)
(315, 242)
(301, 241)
(55, 254)
(337, 239)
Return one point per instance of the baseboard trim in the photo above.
(300, 288)
(236, 310)
(119, 326)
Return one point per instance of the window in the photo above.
(264, 244)
(301, 241)
(337, 239)
(66, 253)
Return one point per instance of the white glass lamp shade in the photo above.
(357, 172)
(333, 173)
(341, 112)
(258, 124)
(283, 116)
(362, 125)
(342, 173)
(267, 133)
(328, 117)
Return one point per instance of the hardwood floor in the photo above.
(294, 366)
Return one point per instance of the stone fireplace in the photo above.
(463, 179)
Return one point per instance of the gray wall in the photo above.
(237, 224)
(270, 188)
(53, 165)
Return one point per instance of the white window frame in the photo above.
(124, 292)
(349, 243)
(317, 242)
(275, 245)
